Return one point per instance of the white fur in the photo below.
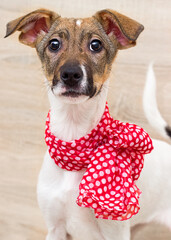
(58, 189)
(79, 22)
(150, 104)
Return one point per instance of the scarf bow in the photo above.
(112, 154)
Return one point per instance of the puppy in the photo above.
(77, 55)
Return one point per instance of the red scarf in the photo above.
(112, 156)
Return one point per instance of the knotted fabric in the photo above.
(112, 156)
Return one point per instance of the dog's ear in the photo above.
(119, 27)
(31, 25)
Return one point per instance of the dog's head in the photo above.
(76, 54)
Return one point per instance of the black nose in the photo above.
(71, 74)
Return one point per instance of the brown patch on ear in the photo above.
(120, 27)
(31, 25)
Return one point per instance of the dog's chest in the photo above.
(58, 190)
(58, 184)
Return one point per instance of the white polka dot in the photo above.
(107, 171)
(122, 165)
(137, 161)
(88, 178)
(128, 194)
(89, 200)
(136, 176)
(141, 137)
(81, 154)
(97, 183)
(103, 181)
(101, 158)
(98, 154)
(104, 164)
(101, 198)
(130, 180)
(111, 162)
(92, 170)
(60, 165)
(117, 179)
(94, 205)
(82, 191)
(136, 210)
(107, 155)
(96, 137)
(53, 150)
(73, 144)
(101, 173)
(149, 146)
(79, 148)
(133, 199)
(72, 151)
(134, 134)
(109, 180)
(129, 215)
(132, 208)
(130, 137)
(99, 190)
(126, 184)
(98, 167)
(70, 164)
(68, 168)
(118, 187)
(95, 175)
(91, 185)
(114, 154)
(124, 174)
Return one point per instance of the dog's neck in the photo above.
(73, 121)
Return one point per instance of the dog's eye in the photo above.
(54, 45)
(96, 45)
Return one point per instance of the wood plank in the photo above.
(24, 103)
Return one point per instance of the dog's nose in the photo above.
(71, 75)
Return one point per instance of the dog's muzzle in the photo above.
(74, 80)
(71, 75)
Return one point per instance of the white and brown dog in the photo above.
(77, 55)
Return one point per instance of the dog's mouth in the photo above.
(72, 94)
(81, 90)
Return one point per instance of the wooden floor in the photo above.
(24, 103)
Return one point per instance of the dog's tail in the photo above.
(150, 105)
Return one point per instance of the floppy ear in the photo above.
(119, 27)
(31, 25)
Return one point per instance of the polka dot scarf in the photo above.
(112, 156)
